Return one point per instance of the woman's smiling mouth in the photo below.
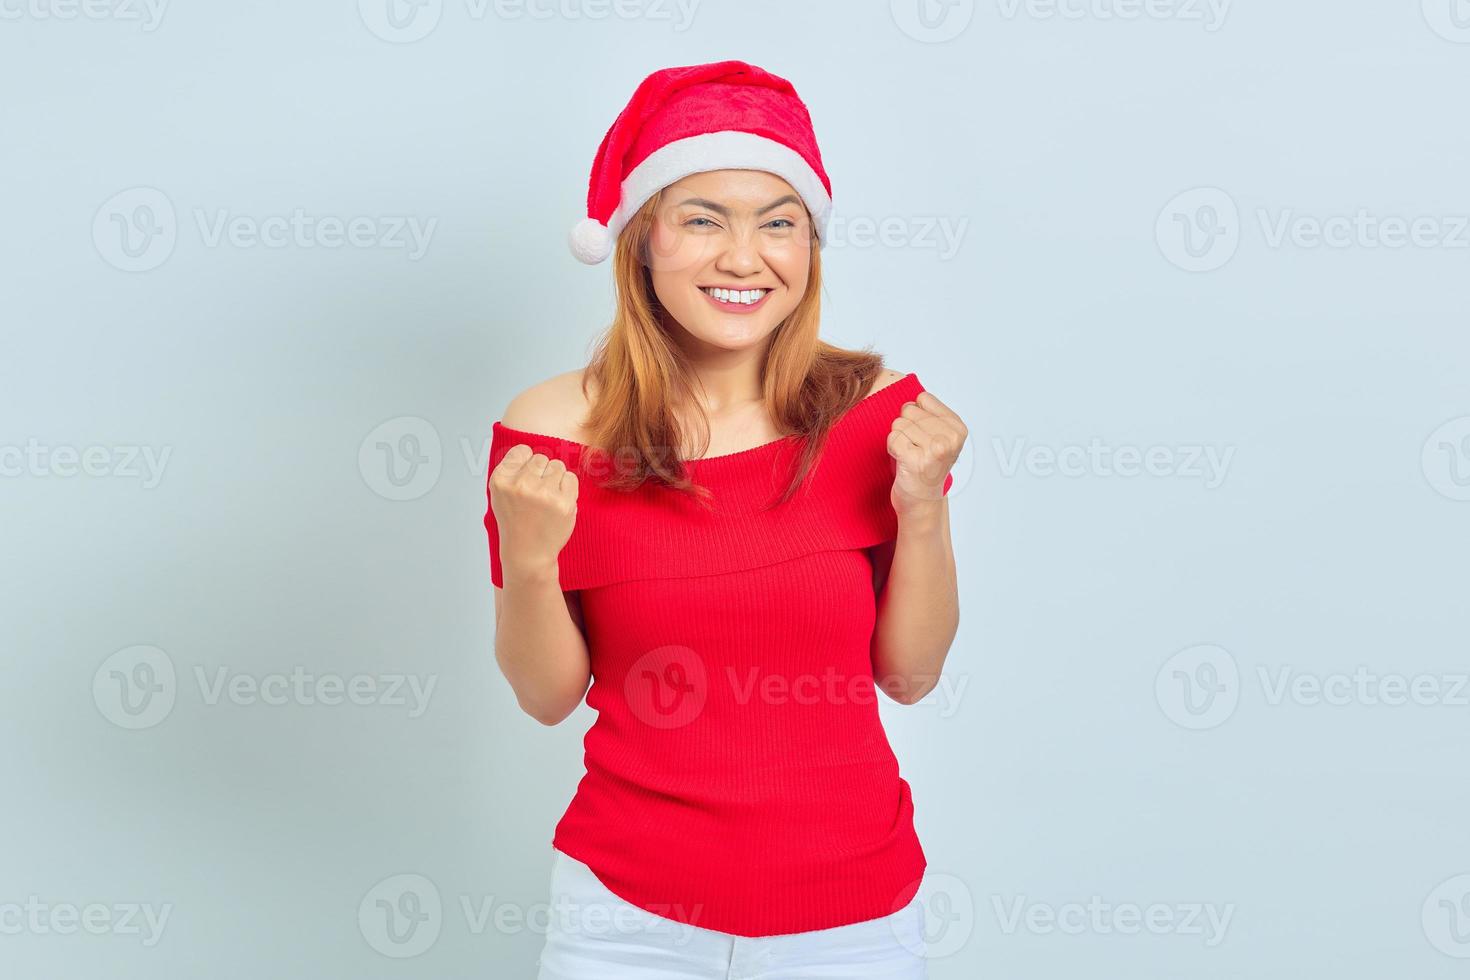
(736, 300)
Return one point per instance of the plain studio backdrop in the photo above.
(1194, 274)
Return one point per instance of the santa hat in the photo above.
(680, 121)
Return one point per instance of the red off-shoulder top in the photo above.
(738, 777)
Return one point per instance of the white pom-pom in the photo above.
(591, 241)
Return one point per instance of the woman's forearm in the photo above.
(539, 646)
(918, 609)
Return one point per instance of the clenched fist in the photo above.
(534, 499)
(924, 441)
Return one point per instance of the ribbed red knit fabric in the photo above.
(738, 775)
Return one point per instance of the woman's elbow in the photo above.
(553, 710)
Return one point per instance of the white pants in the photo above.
(595, 935)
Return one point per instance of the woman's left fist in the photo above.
(925, 440)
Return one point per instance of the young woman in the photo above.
(738, 533)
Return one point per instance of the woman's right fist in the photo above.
(534, 499)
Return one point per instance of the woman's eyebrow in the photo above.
(700, 202)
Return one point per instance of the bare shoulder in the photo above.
(886, 377)
(553, 407)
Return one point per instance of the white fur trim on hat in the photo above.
(725, 150)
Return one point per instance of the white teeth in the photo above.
(745, 296)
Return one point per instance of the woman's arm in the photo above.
(918, 606)
(540, 646)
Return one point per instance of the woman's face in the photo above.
(746, 231)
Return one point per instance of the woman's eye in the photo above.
(707, 222)
(788, 222)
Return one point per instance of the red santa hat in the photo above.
(680, 121)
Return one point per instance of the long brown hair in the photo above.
(641, 374)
